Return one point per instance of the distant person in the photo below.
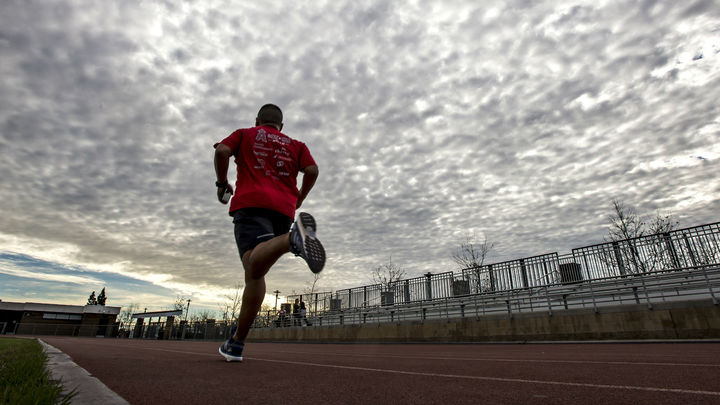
(296, 312)
(303, 314)
(263, 207)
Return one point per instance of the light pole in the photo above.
(276, 298)
(188, 310)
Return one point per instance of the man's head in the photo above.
(270, 114)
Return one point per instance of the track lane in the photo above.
(422, 374)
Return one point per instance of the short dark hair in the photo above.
(270, 114)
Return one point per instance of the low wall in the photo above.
(679, 320)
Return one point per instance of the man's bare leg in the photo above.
(256, 263)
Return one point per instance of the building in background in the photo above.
(31, 318)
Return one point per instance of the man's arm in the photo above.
(310, 174)
(222, 162)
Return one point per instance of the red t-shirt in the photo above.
(268, 163)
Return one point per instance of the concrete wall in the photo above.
(686, 320)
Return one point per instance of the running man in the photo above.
(263, 207)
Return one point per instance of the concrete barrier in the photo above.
(666, 321)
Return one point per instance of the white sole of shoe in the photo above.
(312, 246)
(229, 358)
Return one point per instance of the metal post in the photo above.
(673, 253)
(547, 295)
(428, 276)
(592, 293)
(276, 299)
(707, 280)
(523, 270)
(314, 312)
(618, 258)
(690, 250)
(647, 297)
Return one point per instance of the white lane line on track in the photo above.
(465, 377)
(614, 363)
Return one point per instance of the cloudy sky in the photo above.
(519, 121)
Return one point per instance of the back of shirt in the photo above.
(268, 163)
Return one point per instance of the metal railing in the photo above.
(646, 289)
(316, 302)
(687, 248)
(677, 264)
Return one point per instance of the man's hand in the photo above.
(221, 192)
(222, 160)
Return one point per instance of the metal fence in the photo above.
(684, 248)
(679, 249)
(646, 289)
(651, 255)
(521, 273)
(677, 265)
(427, 287)
(316, 302)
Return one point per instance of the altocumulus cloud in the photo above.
(429, 120)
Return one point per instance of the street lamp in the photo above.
(188, 310)
(276, 298)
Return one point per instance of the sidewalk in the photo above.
(89, 390)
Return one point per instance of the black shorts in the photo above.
(256, 225)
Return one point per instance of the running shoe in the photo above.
(232, 350)
(305, 244)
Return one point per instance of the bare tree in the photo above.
(627, 226)
(230, 307)
(125, 316)
(662, 253)
(310, 291)
(471, 252)
(663, 223)
(202, 316)
(316, 278)
(471, 255)
(180, 302)
(625, 222)
(388, 274)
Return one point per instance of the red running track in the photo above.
(182, 372)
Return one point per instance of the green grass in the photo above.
(23, 376)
